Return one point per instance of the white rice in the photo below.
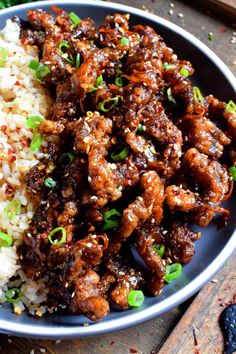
(21, 95)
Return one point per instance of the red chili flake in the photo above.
(9, 151)
(222, 29)
(133, 350)
(9, 190)
(13, 158)
(17, 83)
(25, 142)
(3, 128)
(56, 9)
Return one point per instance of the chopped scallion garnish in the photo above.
(75, 19)
(107, 105)
(135, 298)
(173, 271)
(111, 219)
(33, 64)
(57, 241)
(231, 107)
(118, 82)
(184, 72)
(67, 156)
(33, 122)
(5, 240)
(211, 36)
(99, 81)
(77, 60)
(232, 170)
(170, 96)
(13, 295)
(49, 182)
(159, 249)
(168, 66)
(140, 128)
(67, 57)
(3, 56)
(124, 41)
(36, 141)
(120, 152)
(12, 209)
(197, 95)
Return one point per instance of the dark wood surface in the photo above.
(201, 318)
(149, 337)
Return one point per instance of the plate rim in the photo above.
(134, 318)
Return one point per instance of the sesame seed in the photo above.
(42, 350)
(180, 15)
(58, 341)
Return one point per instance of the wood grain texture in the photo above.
(202, 316)
(145, 339)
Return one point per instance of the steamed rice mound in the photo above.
(21, 95)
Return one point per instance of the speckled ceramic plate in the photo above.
(212, 250)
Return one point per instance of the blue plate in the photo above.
(212, 250)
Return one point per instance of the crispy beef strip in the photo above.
(118, 87)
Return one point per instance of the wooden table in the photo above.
(199, 316)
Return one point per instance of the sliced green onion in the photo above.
(197, 95)
(184, 72)
(118, 82)
(211, 36)
(63, 54)
(135, 298)
(167, 66)
(75, 19)
(33, 64)
(140, 128)
(120, 152)
(3, 56)
(13, 295)
(111, 102)
(5, 240)
(33, 122)
(12, 209)
(49, 182)
(231, 107)
(92, 89)
(124, 41)
(159, 249)
(42, 71)
(77, 60)
(111, 219)
(67, 156)
(59, 241)
(170, 96)
(173, 271)
(36, 141)
(232, 170)
(99, 80)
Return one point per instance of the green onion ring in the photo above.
(159, 249)
(36, 141)
(33, 64)
(12, 209)
(113, 101)
(173, 271)
(75, 19)
(33, 122)
(10, 295)
(184, 72)
(67, 155)
(118, 82)
(77, 60)
(197, 95)
(124, 41)
(231, 107)
(110, 219)
(168, 66)
(3, 56)
(232, 170)
(49, 182)
(135, 298)
(65, 55)
(63, 236)
(120, 152)
(5, 240)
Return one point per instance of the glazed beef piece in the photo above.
(141, 155)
